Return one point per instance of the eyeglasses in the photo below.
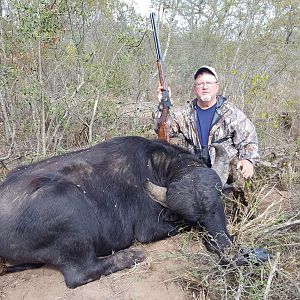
(203, 83)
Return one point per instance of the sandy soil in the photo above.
(153, 279)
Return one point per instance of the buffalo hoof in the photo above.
(133, 256)
(3, 269)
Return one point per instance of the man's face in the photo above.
(206, 87)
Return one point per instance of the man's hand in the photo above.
(159, 92)
(247, 168)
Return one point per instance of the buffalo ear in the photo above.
(156, 192)
(227, 188)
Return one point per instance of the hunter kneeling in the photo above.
(211, 118)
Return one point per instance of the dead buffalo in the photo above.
(81, 211)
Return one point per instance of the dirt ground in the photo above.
(153, 279)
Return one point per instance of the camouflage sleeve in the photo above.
(245, 138)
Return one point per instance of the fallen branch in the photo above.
(280, 226)
(268, 164)
(241, 286)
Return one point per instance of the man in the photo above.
(210, 118)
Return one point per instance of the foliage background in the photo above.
(73, 73)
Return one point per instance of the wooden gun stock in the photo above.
(163, 132)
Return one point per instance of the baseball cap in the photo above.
(206, 68)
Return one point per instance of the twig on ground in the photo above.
(271, 275)
(241, 286)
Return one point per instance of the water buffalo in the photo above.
(81, 211)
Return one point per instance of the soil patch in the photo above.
(153, 279)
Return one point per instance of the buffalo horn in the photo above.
(221, 164)
(156, 192)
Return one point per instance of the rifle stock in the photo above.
(163, 127)
(163, 132)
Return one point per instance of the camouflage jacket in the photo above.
(230, 127)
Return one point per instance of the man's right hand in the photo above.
(160, 90)
(247, 168)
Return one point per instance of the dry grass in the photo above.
(271, 221)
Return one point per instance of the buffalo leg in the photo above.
(74, 254)
(76, 274)
(76, 259)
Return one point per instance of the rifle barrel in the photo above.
(163, 127)
(159, 56)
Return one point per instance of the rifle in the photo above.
(163, 128)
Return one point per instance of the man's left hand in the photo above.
(247, 168)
